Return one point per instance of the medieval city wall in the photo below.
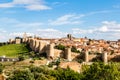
(91, 57)
(74, 55)
(58, 53)
(42, 46)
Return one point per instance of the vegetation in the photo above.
(61, 47)
(101, 71)
(23, 74)
(96, 71)
(67, 74)
(43, 73)
(13, 50)
(21, 58)
(2, 44)
(37, 56)
(74, 49)
(56, 62)
(1, 68)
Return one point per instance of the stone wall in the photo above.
(43, 46)
(91, 57)
(58, 53)
(74, 55)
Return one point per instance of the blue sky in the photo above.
(96, 19)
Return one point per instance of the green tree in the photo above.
(61, 47)
(41, 73)
(74, 49)
(101, 71)
(66, 74)
(22, 74)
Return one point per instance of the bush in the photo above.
(21, 58)
(1, 68)
(101, 71)
(66, 74)
(23, 74)
(61, 47)
(74, 49)
(31, 61)
(80, 60)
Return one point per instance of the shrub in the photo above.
(1, 68)
(21, 58)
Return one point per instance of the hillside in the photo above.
(13, 50)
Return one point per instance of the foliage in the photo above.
(41, 73)
(21, 58)
(74, 49)
(66, 74)
(37, 56)
(101, 71)
(79, 60)
(1, 68)
(32, 61)
(24, 74)
(61, 47)
(2, 44)
(55, 62)
(96, 71)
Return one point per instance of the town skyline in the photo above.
(55, 19)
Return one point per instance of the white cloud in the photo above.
(44, 33)
(11, 35)
(107, 26)
(108, 30)
(103, 29)
(37, 7)
(114, 24)
(82, 31)
(20, 34)
(6, 5)
(67, 20)
(50, 33)
(28, 4)
(26, 1)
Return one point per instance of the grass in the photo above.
(13, 50)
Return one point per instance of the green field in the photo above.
(13, 50)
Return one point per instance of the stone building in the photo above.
(18, 40)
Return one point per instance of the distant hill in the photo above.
(13, 50)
